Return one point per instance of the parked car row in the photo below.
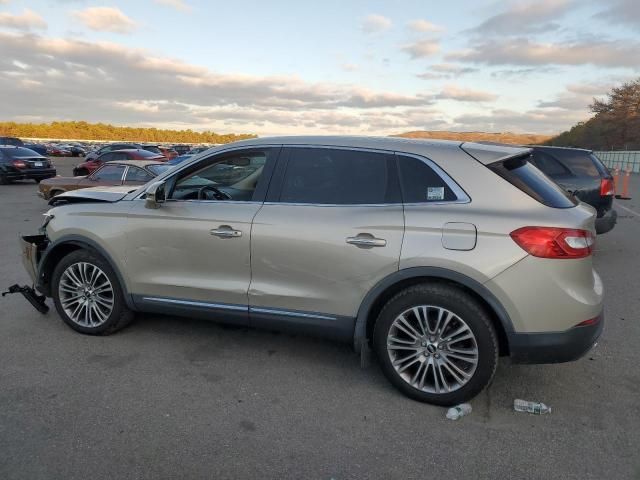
(435, 255)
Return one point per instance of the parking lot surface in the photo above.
(177, 398)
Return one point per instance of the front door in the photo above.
(193, 251)
(331, 228)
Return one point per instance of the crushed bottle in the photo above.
(537, 408)
(459, 411)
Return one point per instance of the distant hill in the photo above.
(503, 137)
(104, 131)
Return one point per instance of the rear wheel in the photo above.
(4, 180)
(436, 344)
(88, 295)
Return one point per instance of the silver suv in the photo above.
(440, 256)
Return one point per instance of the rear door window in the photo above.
(523, 175)
(109, 173)
(332, 176)
(137, 175)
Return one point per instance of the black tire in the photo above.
(120, 315)
(4, 180)
(37, 180)
(466, 308)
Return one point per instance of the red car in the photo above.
(169, 153)
(129, 154)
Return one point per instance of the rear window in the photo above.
(20, 152)
(578, 162)
(147, 154)
(526, 177)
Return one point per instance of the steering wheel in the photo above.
(217, 193)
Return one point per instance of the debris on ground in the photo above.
(537, 408)
(459, 411)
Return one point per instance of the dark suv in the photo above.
(18, 163)
(582, 174)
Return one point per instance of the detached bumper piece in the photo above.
(38, 301)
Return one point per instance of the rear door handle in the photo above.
(225, 231)
(366, 240)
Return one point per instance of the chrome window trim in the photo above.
(461, 195)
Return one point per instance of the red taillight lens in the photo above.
(591, 321)
(19, 164)
(553, 242)
(607, 187)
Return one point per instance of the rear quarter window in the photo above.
(523, 175)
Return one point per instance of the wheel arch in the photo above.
(394, 283)
(57, 250)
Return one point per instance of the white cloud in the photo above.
(105, 19)
(349, 67)
(101, 81)
(529, 16)
(453, 92)
(522, 51)
(445, 70)
(27, 20)
(622, 12)
(424, 26)
(180, 5)
(376, 23)
(422, 48)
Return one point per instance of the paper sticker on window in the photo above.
(435, 193)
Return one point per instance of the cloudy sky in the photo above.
(331, 66)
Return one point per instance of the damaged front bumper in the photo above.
(32, 247)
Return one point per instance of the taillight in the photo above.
(553, 242)
(607, 187)
(588, 323)
(19, 164)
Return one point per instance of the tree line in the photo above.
(615, 124)
(104, 131)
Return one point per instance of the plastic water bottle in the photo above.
(459, 411)
(536, 408)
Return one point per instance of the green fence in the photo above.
(621, 159)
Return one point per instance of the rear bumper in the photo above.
(555, 347)
(606, 223)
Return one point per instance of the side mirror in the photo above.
(155, 195)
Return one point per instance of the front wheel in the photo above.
(436, 344)
(88, 295)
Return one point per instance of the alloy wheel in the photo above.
(86, 294)
(432, 349)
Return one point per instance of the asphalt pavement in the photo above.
(172, 397)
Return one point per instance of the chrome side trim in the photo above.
(289, 313)
(242, 308)
(190, 303)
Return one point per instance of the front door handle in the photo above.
(225, 231)
(366, 240)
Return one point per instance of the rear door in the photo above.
(331, 229)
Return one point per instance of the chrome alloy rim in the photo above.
(432, 349)
(86, 294)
